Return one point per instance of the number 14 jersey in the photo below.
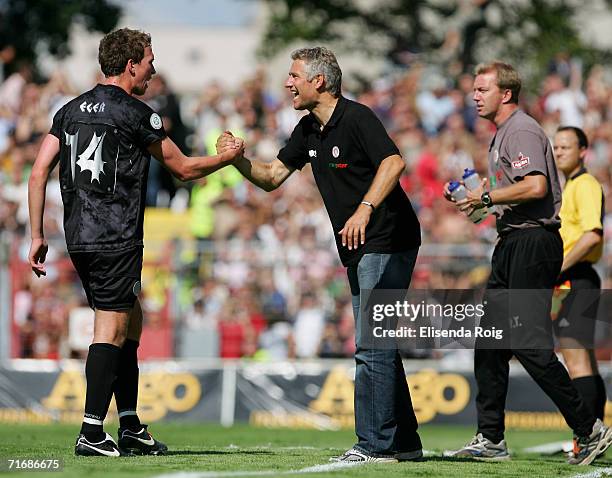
(104, 162)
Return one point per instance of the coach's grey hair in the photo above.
(321, 61)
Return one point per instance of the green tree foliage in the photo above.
(455, 33)
(533, 32)
(392, 26)
(34, 27)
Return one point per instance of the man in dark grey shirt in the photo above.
(520, 148)
(525, 265)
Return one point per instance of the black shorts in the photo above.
(576, 314)
(111, 279)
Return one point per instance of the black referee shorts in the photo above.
(111, 279)
(577, 315)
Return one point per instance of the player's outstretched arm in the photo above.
(267, 176)
(187, 168)
(45, 162)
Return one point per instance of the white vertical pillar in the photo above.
(228, 394)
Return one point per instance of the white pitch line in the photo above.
(224, 474)
(327, 467)
(596, 473)
(231, 446)
(215, 474)
(550, 448)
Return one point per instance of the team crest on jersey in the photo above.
(496, 156)
(136, 288)
(521, 163)
(156, 121)
(335, 151)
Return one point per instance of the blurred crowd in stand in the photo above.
(260, 277)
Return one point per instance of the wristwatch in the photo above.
(486, 199)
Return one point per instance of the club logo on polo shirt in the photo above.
(312, 153)
(335, 152)
(521, 163)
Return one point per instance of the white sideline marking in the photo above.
(327, 467)
(223, 474)
(550, 448)
(215, 474)
(231, 446)
(596, 474)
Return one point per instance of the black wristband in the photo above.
(486, 199)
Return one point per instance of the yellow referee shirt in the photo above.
(582, 210)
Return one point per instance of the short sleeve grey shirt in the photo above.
(520, 147)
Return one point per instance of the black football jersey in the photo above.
(104, 162)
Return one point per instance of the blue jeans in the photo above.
(384, 418)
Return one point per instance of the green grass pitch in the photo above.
(210, 450)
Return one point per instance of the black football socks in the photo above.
(126, 386)
(101, 372)
(593, 391)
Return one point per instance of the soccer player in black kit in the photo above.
(103, 141)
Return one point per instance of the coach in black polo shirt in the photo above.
(356, 167)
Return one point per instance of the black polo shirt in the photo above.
(345, 157)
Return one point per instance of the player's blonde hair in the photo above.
(507, 77)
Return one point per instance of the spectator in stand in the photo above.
(568, 101)
(308, 326)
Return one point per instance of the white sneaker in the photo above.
(481, 448)
(586, 449)
(357, 456)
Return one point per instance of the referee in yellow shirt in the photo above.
(581, 214)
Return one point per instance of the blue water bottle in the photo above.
(471, 179)
(459, 192)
